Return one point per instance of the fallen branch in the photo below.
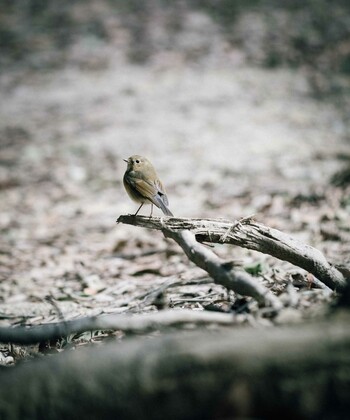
(221, 272)
(128, 323)
(252, 235)
(151, 296)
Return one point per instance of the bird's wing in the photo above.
(143, 188)
(161, 191)
(153, 192)
(146, 189)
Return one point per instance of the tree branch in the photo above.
(252, 235)
(222, 273)
(134, 323)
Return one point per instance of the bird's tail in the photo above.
(166, 210)
(160, 203)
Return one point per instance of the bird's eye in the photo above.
(137, 161)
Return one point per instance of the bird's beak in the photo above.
(125, 160)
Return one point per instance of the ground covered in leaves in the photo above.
(228, 140)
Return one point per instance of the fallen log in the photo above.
(295, 372)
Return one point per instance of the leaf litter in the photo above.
(226, 145)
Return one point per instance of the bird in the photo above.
(143, 184)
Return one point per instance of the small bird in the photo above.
(143, 185)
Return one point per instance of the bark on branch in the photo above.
(252, 235)
(221, 272)
(130, 323)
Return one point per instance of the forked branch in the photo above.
(221, 272)
(248, 234)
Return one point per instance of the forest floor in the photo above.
(228, 140)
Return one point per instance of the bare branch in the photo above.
(252, 235)
(233, 279)
(222, 273)
(134, 323)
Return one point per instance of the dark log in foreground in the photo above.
(252, 235)
(296, 372)
(220, 271)
(127, 323)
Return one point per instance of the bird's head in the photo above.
(137, 163)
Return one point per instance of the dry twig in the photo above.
(130, 323)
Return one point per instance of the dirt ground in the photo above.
(228, 140)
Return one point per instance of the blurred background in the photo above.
(242, 106)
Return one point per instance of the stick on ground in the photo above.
(130, 323)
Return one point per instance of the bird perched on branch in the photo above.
(143, 185)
